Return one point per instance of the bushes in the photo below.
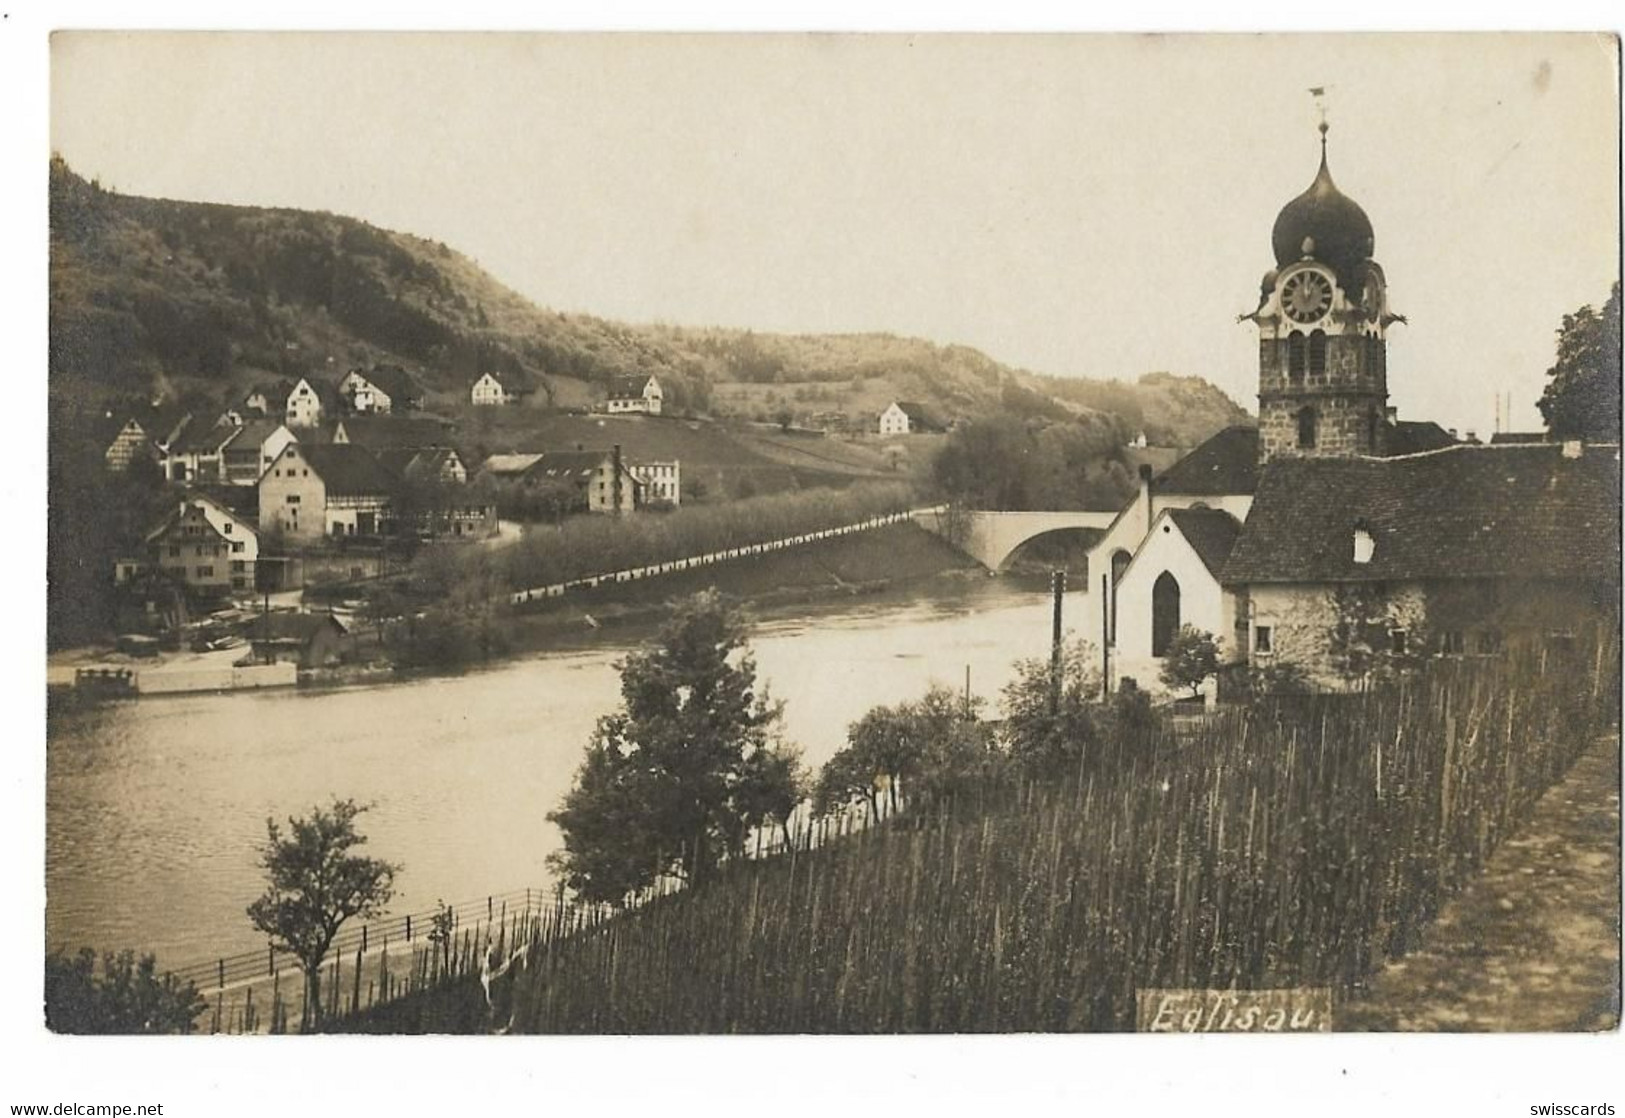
(127, 996)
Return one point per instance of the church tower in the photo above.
(1322, 323)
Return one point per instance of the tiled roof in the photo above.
(396, 383)
(1408, 436)
(509, 465)
(380, 432)
(628, 387)
(1469, 511)
(412, 462)
(288, 625)
(572, 463)
(519, 382)
(256, 430)
(1211, 533)
(199, 438)
(1227, 464)
(349, 470)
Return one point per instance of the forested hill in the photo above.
(153, 297)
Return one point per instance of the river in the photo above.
(154, 808)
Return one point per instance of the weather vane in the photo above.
(1318, 92)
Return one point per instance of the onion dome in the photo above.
(1327, 224)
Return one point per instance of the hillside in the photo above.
(156, 297)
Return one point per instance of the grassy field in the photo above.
(1281, 847)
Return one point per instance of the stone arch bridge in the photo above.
(991, 538)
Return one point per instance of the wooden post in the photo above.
(1057, 588)
(222, 972)
(1106, 608)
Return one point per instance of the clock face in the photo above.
(1307, 296)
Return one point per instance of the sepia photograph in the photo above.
(683, 535)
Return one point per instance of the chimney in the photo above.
(1391, 413)
(1145, 494)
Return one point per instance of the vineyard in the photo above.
(1293, 843)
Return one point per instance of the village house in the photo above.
(386, 389)
(198, 455)
(634, 394)
(497, 389)
(308, 401)
(1348, 565)
(201, 545)
(311, 640)
(905, 417)
(252, 450)
(601, 478)
(436, 494)
(146, 434)
(589, 474)
(662, 482)
(325, 491)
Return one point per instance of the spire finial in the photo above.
(1318, 92)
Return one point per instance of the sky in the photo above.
(1077, 205)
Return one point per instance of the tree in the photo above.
(128, 996)
(1582, 399)
(930, 748)
(673, 779)
(315, 885)
(1051, 724)
(1193, 656)
(775, 784)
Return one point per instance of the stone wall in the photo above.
(1352, 387)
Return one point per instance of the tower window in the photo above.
(1373, 427)
(1306, 428)
(1317, 353)
(1295, 356)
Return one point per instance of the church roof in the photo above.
(1468, 511)
(1210, 532)
(1226, 464)
(1339, 229)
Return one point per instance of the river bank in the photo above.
(833, 570)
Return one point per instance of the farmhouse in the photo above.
(905, 417)
(145, 434)
(307, 402)
(386, 389)
(325, 490)
(198, 454)
(203, 546)
(496, 389)
(252, 450)
(634, 394)
(1348, 566)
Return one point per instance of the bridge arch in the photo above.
(991, 538)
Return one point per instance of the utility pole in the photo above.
(1057, 588)
(616, 466)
